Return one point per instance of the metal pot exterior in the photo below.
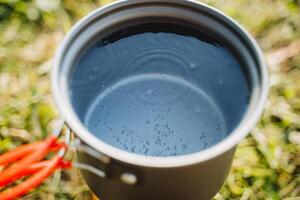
(196, 182)
(134, 177)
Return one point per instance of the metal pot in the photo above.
(126, 176)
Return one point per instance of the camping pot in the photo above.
(121, 175)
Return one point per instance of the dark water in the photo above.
(159, 94)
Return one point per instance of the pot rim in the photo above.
(230, 142)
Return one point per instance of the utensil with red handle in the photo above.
(29, 160)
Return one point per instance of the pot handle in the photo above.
(91, 152)
(127, 178)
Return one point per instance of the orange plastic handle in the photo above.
(24, 150)
(26, 160)
(39, 152)
(31, 169)
(32, 182)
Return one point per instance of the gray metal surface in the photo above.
(190, 177)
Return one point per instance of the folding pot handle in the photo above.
(125, 177)
(105, 160)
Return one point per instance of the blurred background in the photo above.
(267, 163)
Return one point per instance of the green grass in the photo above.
(266, 164)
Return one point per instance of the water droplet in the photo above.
(149, 92)
(193, 65)
(133, 149)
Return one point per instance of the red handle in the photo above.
(24, 150)
(40, 151)
(31, 169)
(26, 163)
(40, 165)
(31, 182)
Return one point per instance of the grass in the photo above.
(267, 162)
